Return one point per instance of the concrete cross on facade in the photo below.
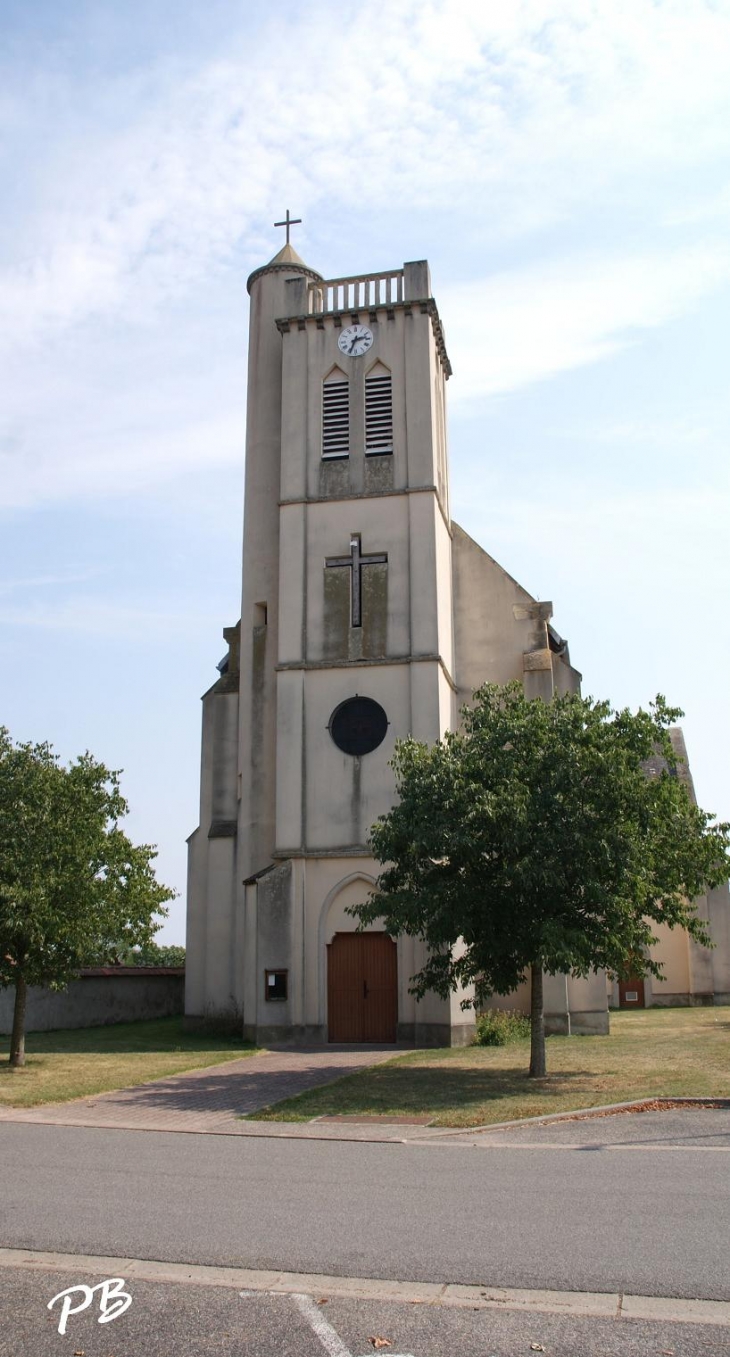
(355, 562)
(287, 222)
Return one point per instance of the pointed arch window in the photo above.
(335, 416)
(378, 411)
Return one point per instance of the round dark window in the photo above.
(358, 725)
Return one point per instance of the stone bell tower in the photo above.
(367, 614)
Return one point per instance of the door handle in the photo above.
(364, 989)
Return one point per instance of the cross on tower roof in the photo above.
(288, 221)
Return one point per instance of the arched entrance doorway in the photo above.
(362, 988)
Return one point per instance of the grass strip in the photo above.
(78, 1062)
(658, 1052)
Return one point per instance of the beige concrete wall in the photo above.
(303, 903)
(196, 922)
(404, 345)
(290, 762)
(383, 525)
(324, 799)
(572, 1005)
(265, 417)
(672, 950)
(566, 679)
(210, 981)
(517, 1001)
(587, 1004)
(278, 929)
(96, 999)
(221, 895)
(421, 366)
(555, 1004)
(344, 794)
(692, 973)
(491, 625)
(719, 914)
(700, 958)
(293, 590)
(411, 531)
(250, 959)
(300, 415)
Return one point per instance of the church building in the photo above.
(367, 614)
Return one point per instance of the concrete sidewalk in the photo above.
(211, 1100)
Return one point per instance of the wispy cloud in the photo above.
(525, 325)
(520, 112)
(678, 435)
(121, 300)
(637, 578)
(98, 617)
(119, 463)
(33, 582)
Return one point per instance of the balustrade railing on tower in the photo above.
(360, 293)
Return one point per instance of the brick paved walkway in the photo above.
(212, 1099)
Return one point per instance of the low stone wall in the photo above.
(101, 996)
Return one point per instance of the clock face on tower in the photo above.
(355, 340)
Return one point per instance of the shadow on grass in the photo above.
(158, 1036)
(223, 1090)
(414, 1089)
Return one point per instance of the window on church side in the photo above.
(276, 986)
(378, 412)
(335, 417)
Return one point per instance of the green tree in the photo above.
(534, 838)
(149, 954)
(71, 883)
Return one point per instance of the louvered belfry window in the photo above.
(378, 413)
(336, 416)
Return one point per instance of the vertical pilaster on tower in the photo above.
(272, 289)
(297, 297)
(416, 280)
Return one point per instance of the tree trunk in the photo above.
(538, 1065)
(17, 1040)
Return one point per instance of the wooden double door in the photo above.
(362, 988)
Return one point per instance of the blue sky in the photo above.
(565, 168)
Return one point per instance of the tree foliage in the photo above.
(535, 835)
(72, 884)
(149, 954)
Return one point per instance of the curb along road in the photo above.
(606, 1305)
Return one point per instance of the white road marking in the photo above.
(328, 1337)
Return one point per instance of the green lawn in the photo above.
(655, 1053)
(83, 1061)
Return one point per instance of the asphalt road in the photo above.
(652, 1221)
(185, 1321)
